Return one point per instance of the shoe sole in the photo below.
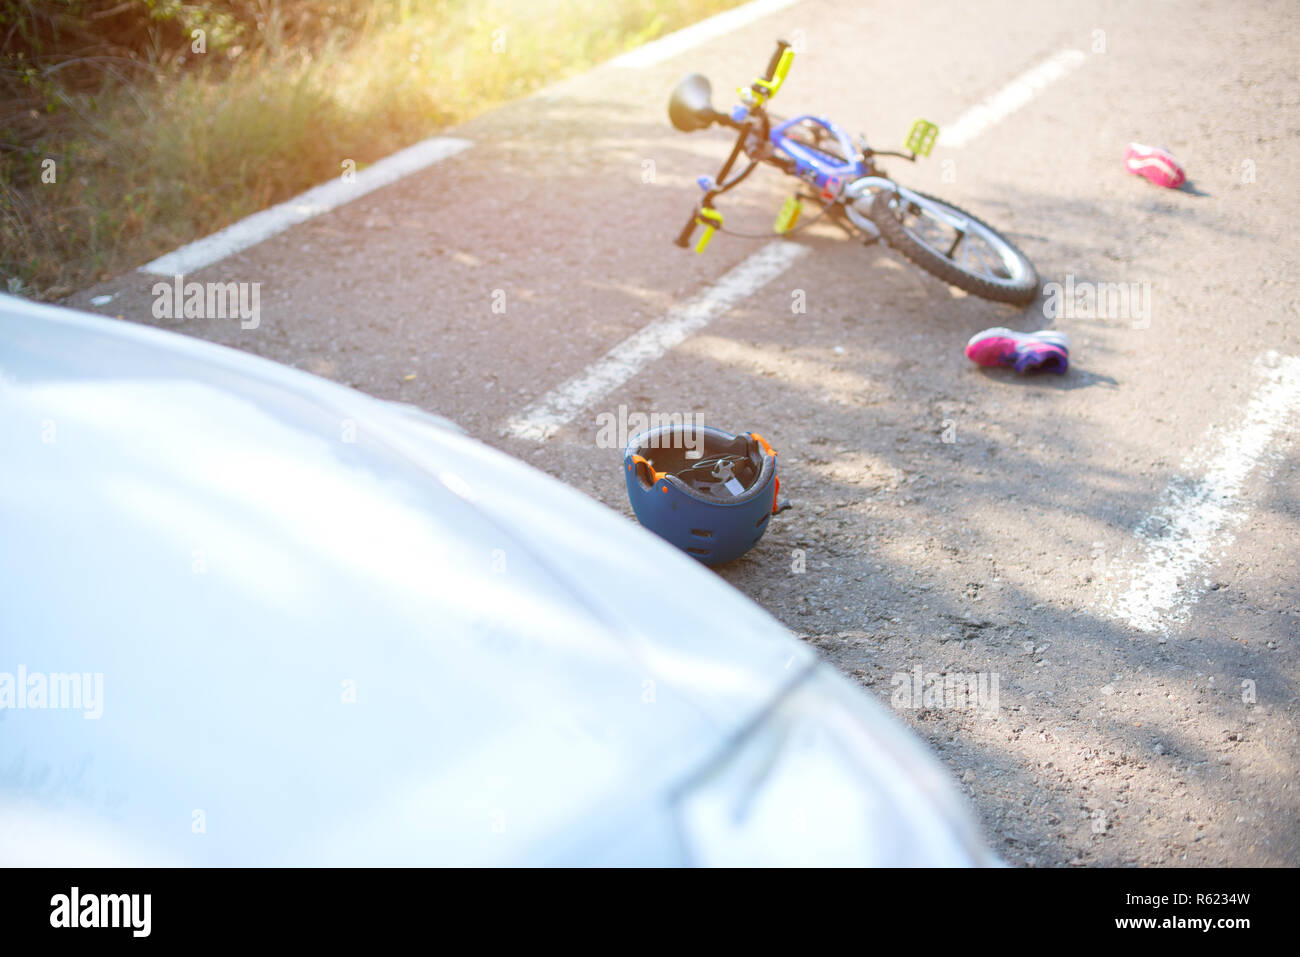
(1045, 336)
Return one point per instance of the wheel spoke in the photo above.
(988, 268)
(931, 230)
(954, 245)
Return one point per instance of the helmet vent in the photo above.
(701, 533)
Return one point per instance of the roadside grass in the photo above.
(144, 164)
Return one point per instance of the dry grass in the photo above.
(156, 158)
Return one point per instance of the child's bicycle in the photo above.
(940, 238)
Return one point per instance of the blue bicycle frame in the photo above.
(829, 174)
(834, 177)
(844, 180)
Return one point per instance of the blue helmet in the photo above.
(706, 491)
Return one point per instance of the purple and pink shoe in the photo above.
(1155, 164)
(1042, 351)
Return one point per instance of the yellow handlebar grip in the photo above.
(711, 220)
(782, 68)
(770, 87)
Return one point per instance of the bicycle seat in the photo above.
(690, 107)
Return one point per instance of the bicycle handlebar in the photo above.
(684, 239)
(771, 81)
(781, 47)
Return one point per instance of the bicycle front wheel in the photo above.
(959, 248)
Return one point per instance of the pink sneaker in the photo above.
(1042, 351)
(1155, 164)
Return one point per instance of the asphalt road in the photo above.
(1117, 546)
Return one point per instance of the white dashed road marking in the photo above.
(669, 46)
(1196, 518)
(558, 407)
(263, 225)
(1009, 99)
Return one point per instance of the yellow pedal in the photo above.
(789, 214)
(922, 137)
(711, 220)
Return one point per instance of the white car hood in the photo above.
(329, 631)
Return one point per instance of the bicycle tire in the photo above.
(1013, 291)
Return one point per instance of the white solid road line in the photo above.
(263, 225)
(1009, 99)
(558, 407)
(666, 47)
(1195, 519)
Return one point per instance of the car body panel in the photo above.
(335, 630)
